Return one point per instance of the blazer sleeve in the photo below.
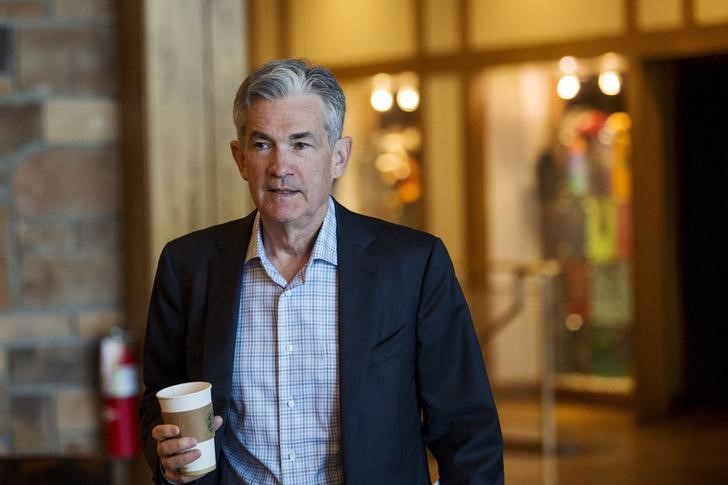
(164, 357)
(460, 421)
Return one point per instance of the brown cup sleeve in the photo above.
(195, 423)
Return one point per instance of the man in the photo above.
(338, 346)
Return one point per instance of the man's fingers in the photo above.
(164, 431)
(176, 478)
(173, 463)
(173, 476)
(174, 451)
(174, 446)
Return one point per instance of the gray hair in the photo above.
(286, 77)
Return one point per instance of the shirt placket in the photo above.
(289, 353)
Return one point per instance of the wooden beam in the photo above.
(474, 183)
(284, 39)
(657, 361)
(137, 259)
(688, 13)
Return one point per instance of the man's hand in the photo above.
(174, 451)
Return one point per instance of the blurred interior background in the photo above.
(571, 155)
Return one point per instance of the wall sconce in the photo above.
(381, 98)
(569, 85)
(610, 81)
(408, 95)
(609, 66)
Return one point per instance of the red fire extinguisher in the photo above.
(119, 385)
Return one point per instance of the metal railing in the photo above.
(546, 274)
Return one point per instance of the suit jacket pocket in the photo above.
(399, 343)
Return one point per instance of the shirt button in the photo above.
(287, 293)
(291, 403)
(292, 456)
(289, 348)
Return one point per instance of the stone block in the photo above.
(68, 181)
(44, 236)
(20, 326)
(70, 279)
(5, 296)
(6, 177)
(6, 84)
(80, 121)
(65, 364)
(3, 366)
(19, 126)
(96, 324)
(80, 444)
(5, 49)
(32, 423)
(67, 60)
(77, 410)
(2, 408)
(102, 234)
(85, 9)
(57, 469)
(22, 9)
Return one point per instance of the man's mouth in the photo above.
(283, 191)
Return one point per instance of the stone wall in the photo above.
(60, 195)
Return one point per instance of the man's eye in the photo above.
(260, 145)
(299, 145)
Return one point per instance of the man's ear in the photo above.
(340, 156)
(239, 158)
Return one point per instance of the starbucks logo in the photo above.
(209, 422)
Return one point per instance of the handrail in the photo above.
(535, 267)
(520, 269)
(490, 328)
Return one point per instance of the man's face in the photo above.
(286, 158)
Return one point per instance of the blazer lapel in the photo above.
(223, 290)
(358, 276)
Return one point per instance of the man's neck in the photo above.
(288, 248)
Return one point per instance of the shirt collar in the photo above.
(324, 248)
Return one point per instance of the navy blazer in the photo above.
(410, 368)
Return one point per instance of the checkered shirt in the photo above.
(283, 420)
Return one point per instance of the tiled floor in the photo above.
(600, 445)
(604, 445)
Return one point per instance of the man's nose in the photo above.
(280, 163)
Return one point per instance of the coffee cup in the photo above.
(189, 407)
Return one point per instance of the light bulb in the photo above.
(568, 87)
(567, 65)
(381, 99)
(611, 61)
(610, 82)
(408, 99)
